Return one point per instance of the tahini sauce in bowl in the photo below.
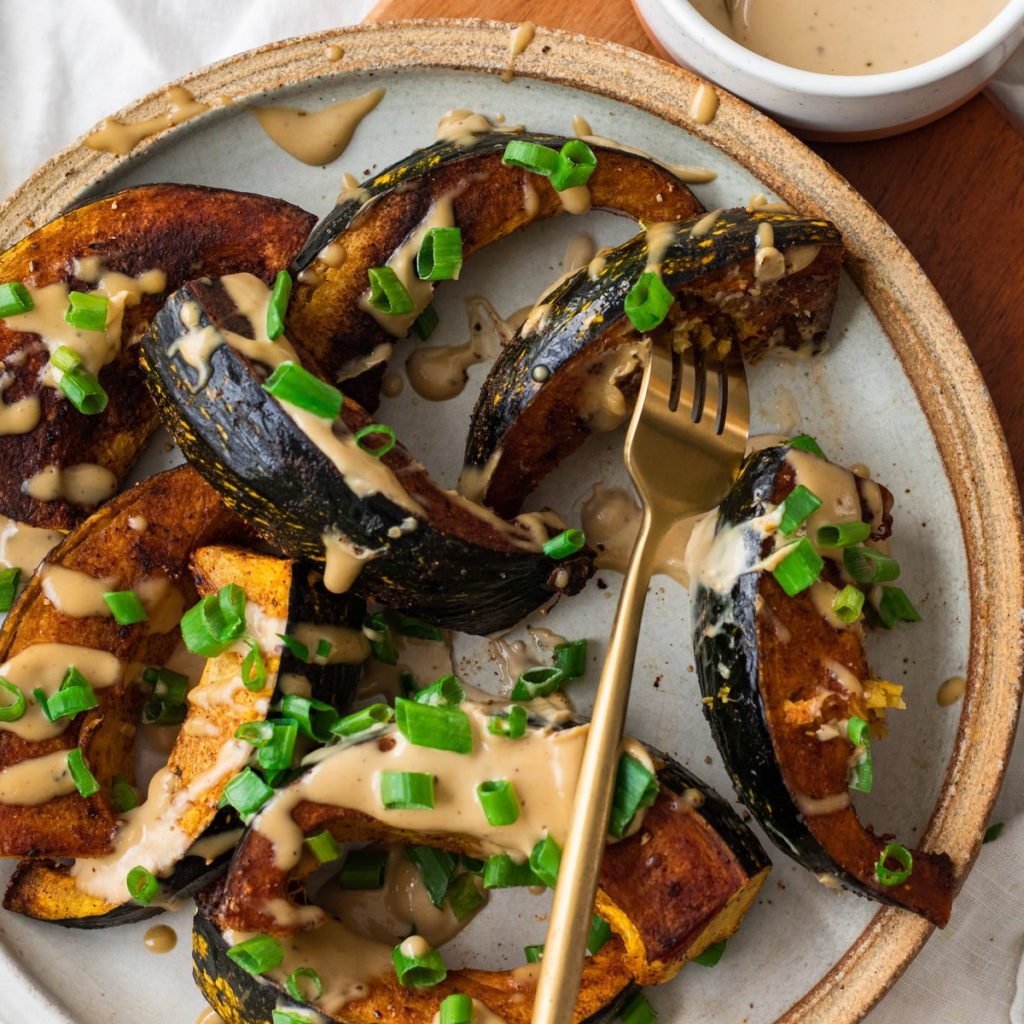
(850, 37)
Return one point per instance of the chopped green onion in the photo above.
(65, 359)
(254, 668)
(848, 603)
(447, 691)
(571, 658)
(67, 702)
(599, 934)
(142, 885)
(499, 802)
(648, 302)
(407, 791)
(465, 896)
(169, 686)
(124, 795)
(324, 847)
(293, 1017)
(14, 299)
(314, 990)
(843, 535)
(360, 721)
(376, 430)
(799, 504)
(799, 569)
(993, 832)
(866, 565)
(564, 544)
(440, 255)
(637, 1010)
(894, 606)
(711, 954)
(440, 728)
(382, 643)
(886, 875)
(426, 323)
(296, 647)
(635, 787)
(545, 860)
(512, 725)
(806, 443)
(126, 607)
(364, 869)
(456, 1009)
(87, 311)
(315, 718)
(536, 682)
(8, 587)
(84, 392)
(296, 385)
(158, 712)
(407, 685)
(276, 754)
(407, 625)
(534, 954)
(387, 293)
(418, 971)
(531, 157)
(18, 705)
(210, 627)
(85, 781)
(858, 732)
(324, 648)
(278, 307)
(576, 163)
(257, 955)
(437, 869)
(246, 792)
(472, 864)
(502, 872)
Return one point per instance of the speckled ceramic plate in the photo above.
(897, 390)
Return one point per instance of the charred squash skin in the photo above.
(522, 428)
(183, 230)
(455, 568)
(181, 511)
(679, 884)
(490, 202)
(769, 759)
(282, 589)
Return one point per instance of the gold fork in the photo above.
(683, 449)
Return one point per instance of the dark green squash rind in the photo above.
(583, 313)
(268, 471)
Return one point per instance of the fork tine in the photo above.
(700, 383)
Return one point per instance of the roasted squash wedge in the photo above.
(135, 246)
(310, 487)
(681, 880)
(458, 181)
(141, 540)
(574, 365)
(781, 678)
(282, 596)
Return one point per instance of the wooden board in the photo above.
(953, 191)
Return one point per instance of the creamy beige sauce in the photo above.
(519, 39)
(43, 666)
(76, 593)
(334, 52)
(343, 562)
(317, 137)
(209, 1016)
(348, 646)
(951, 691)
(581, 126)
(851, 37)
(425, 660)
(579, 252)
(816, 807)
(24, 547)
(17, 417)
(119, 137)
(602, 404)
(392, 385)
(511, 658)
(161, 938)
(36, 781)
(210, 847)
(83, 484)
(461, 127)
(704, 103)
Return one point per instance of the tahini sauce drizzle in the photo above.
(704, 103)
(121, 137)
(519, 39)
(317, 137)
(18, 417)
(82, 484)
(24, 547)
(37, 781)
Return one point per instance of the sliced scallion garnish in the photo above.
(17, 706)
(848, 603)
(894, 606)
(866, 565)
(418, 971)
(67, 702)
(8, 587)
(376, 430)
(387, 293)
(365, 718)
(276, 754)
(212, 625)
(806, 443)
(85, 781)
(324, 847)
(87, 311)
(257, 955)
(304, 984)
(711, 954)
(993, 832)
(426, 323)
(637, 1010)
(382, 643)
(531, 157)
(14, 299)
(576, 163)
(456, 1009)
(799, 569)
(83, 391)
(246, 792)
(364, 869)
(315, 718)
(564, 544)
(408, 625)
(534, 954)
(635, 788)
(254, 668)
(858, 732)
(799, 504)
(142, 885)
(571, 658)
(294, 384)
(599, 934)
(843, 535)
(124, 795)
(437, 869)
(465, 896)
(648, 302)
(407, 791)
(445, 692)
(440, 728)
(440, 255)
(126, 607)
(512, 725)
(499, 802)
(296, 647)
(502, 872)
(278, 307)
(536, 682)
(545, 860)
(902, 856)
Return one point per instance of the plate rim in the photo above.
(932, 352)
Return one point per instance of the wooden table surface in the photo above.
(953, 191)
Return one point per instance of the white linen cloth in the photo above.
(67, 63)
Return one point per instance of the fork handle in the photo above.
(572, 910)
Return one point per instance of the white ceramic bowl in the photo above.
(835, 106)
